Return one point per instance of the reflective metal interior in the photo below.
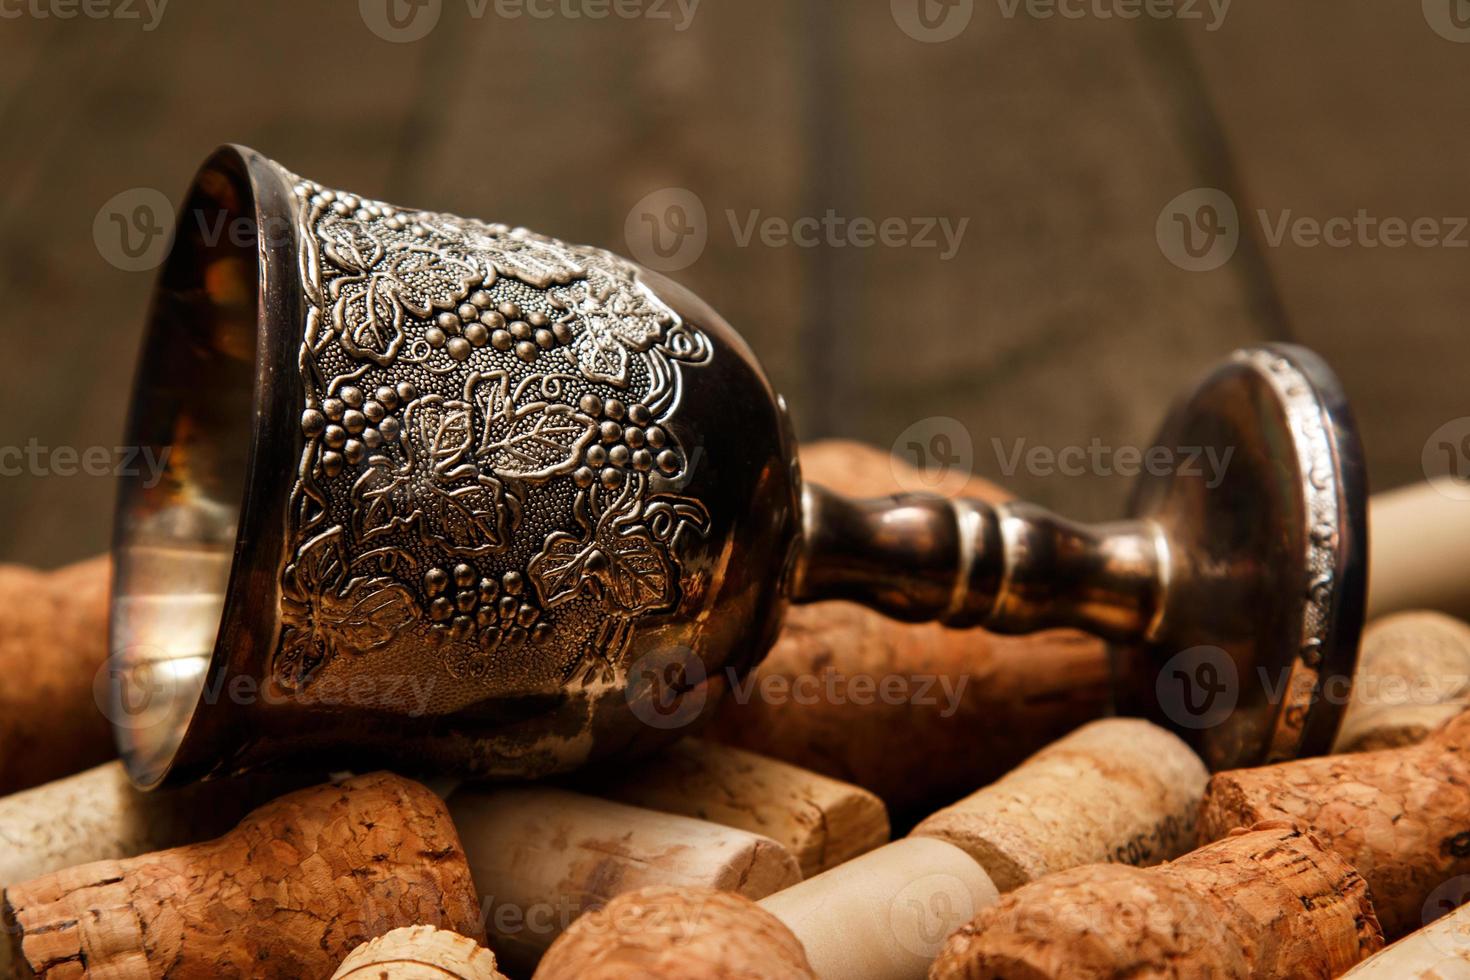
(174, 542)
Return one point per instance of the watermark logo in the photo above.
(1448, 898)
(668, 229)
(666, 688)
(939, 453)
(927, 910)
(1446, 458)
(1199, 230)
(1450, 19)
(133, 229)
(932, 21)
(148, 13)
(400, 21)
(1198, 688)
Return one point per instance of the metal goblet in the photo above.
(435, 488)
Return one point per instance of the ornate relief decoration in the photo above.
(488, 473)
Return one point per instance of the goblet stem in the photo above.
(1011, 568)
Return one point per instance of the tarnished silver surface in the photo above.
(492, 475)
(469, 488)
(462, 497)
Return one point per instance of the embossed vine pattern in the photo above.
(489, 470)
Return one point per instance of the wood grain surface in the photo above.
(1056, 140)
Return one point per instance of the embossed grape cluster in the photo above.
(497, 609)
(351, 424)
(626, 440)
(478, 321)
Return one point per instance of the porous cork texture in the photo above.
(822, 821)
(957, 689)
(419, 953)
(1400, 816)
(287, 894)
(1413, 676)
(665, 933)
(1120, 789)
(1273, 902)
(53, 643)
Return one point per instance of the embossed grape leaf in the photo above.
(533, 261)
(638, 319)
(637, 575)
(367, 318)
(558, 572)
(598, 355)
(349, 244)
(442, 430)
(544, 440)
(366, 614)
(627, 567)
(426, 279)
(381, 501)
(300, 654)
(475, 519)
(320, 565)
(324, 617)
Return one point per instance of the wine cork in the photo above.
(1400, 816)
(821, 821)
(842, 679)
(1439, 951)
(1120, 789)
(1413, 676)
(885, 915)
(97, 815)
(1273, 902)
(541, 856)
(669, 933)
(53, 642)
(419, 953)
(288, 893)
(1417, 560)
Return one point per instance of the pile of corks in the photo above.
(1044, 839)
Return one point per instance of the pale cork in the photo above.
(820, 820)
(542, 856)
(1413, 676)
(1120, 789)
(419, 953)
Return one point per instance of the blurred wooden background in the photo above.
(1059, 320)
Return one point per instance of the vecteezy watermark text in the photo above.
(1200, 230)
(1211, 12)
(836, 688)
(34, 459)
(148, 12)
(404, 21)
(837, 231)
(1097, 459)
(669, 228)
(936, 21)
